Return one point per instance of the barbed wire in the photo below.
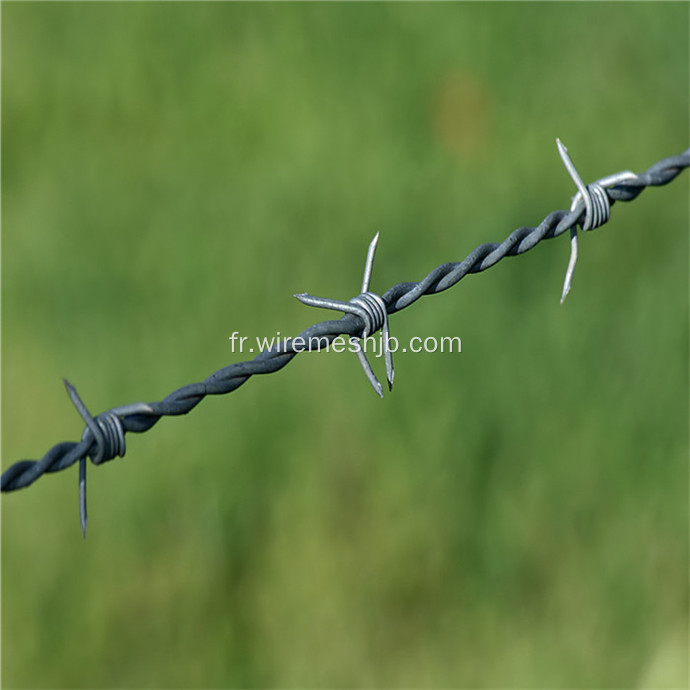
(104, 435)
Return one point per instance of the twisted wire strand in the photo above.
(141, 417)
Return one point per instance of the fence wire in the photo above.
(104, 435)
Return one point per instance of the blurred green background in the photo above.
(512, 516)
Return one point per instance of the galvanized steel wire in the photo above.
(104, 435)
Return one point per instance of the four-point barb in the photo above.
(371, 308)
(597, 207)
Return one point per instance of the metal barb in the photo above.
(582, 189)
(583, 192)
(597, 207)
(83, 517)
(373, 312)
(567, 283)
(375, 383)
(90, 424)
(107, 432)
(369, 265)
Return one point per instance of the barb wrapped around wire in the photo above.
(597, 207)
(106, 433)
(372, 310)
(104, 436)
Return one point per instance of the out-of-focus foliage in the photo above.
(514, 515)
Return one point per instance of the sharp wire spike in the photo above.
(90, 424)
(369, 265)
(323, 302)
(584, 193)
(78, 403)
(567, 283)
(388, 355)
(375, 383)
(83, 518)
(373, 312)
(581, 186)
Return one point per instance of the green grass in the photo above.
(512, 516)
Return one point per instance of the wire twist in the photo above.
(105, 437)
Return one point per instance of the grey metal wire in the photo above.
(103, 437)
